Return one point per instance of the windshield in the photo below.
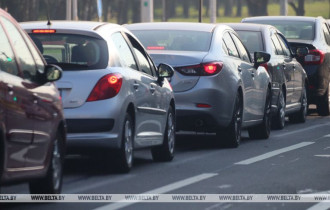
(72, 52)
(293, 29)
(174, 40)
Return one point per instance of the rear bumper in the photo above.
(219, 95)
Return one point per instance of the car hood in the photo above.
(179, 82)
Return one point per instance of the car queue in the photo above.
(123, 88)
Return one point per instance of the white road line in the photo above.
(320, 206)
(273, 153)
(326, 156)
(164, 189)
(300, 130)
(97, 184)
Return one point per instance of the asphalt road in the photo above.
(295, 160)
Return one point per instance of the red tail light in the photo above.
(44, 31)
(315, 57)
(204, 69)
(107, 87)
(265, 65)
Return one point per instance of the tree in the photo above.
(300, 9)
(239, 8)
(228, 8)
(257, 7)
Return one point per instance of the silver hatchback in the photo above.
(113, 95)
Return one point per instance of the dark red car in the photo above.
(32, 126)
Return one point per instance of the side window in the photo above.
(7, 58)
(142, 57)
(37, 58)
(224, 47)
(286, 50)
(326, 33)
(125, 54)
(244, 54)
(277, 44)
(232, 51)
(24, 56)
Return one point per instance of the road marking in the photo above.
(302, 129)
(164, 189)
(97, 184)
(327, 136)
(273, 153)
(327, 156)
(321, 205)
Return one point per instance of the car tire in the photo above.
(52, 182)
(165, 152)
(262, 131)
(124, 157)
(278, 122)
(231, 137)
(300, 117)
(323, 104)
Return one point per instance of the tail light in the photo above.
(314, 57)
(204, 69)
(107, 87)
(265, 65)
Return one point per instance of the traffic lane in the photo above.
(189, 161)
(304, 170)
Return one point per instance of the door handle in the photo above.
(152, 89)
(239, 69)
(252, 74)
(10, 89)
(136, 86)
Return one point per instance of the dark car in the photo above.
(32, 126)
(314, 34)
(289, 79)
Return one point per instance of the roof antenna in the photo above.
(48, 15)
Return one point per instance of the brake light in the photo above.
(155, 47)
(44, 31)
(204, 69)
(265, 65)
(107, 87)
(314, 57)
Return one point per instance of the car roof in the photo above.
(294, 18)
(250, 26)
(206, 27)
(66, 25)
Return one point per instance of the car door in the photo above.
(152, 113)
(291, 68)
(246, 77)
(16, 97)
(287, 68)
(258, 85)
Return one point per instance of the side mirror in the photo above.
(165, 71)
(52, 73)
(260, 58)
(301, 52)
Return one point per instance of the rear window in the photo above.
(72, 52)
(252, 40)
(174, 40)
(293, 29)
